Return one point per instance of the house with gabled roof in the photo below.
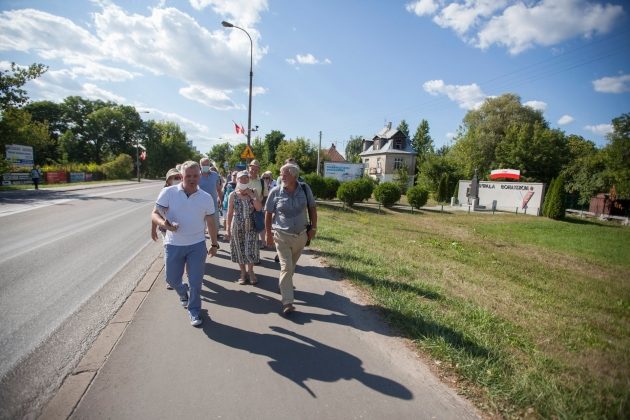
(332, 155)
(390, 149)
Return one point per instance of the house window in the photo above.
(398, 163)
(398, 144)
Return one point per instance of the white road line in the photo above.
(35, 206)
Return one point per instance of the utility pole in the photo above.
(318, 150)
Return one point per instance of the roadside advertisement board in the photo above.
(343, 171)
(521, 197)
(19, 155)
(16, 178)
(55, 177)
(77, 176)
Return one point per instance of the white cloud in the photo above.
(467, 96)
(243, 12)
(462, 17)
(537, 105)
(212, 98)
(600, 129)
(519, 25)
(164, 42)
(92, 91)
(422, 7)
(615, 84)
(308, 59)
(565, 119)
(259, 90)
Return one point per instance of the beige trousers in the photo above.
(289, 248)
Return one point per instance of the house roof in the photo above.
(334, 155)
(388, 148)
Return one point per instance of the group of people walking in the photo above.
(257, 214)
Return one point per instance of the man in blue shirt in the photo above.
(210, 182)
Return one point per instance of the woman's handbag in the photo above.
(259, 220)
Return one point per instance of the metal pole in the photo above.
(318, 149)
(138, 157)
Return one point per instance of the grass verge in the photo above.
(531, 315)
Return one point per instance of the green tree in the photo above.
(17, 127)
(387, 193)
(300, 149)
(537, 151)
(353, 149)
(11, 81)
(166, 146)
(220, 153)
(443, 193)
(422, 142)
(584, 172)
(554, 206)
(403, 127)
(617, 156)
(401, 178)
(417, 196)
(432, 170)
(272, 141)
(485, 128)
(113, 131)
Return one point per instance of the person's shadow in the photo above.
(300, 358)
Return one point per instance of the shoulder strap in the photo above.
(303, 184)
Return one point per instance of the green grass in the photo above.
(531, 315)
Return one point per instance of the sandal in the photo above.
(252, 278)
(242, 281)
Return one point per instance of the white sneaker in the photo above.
(195, 321)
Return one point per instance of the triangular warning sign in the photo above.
(247, 153)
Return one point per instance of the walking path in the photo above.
(333, 359)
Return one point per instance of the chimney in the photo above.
(389, 126)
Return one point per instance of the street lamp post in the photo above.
(251, 76)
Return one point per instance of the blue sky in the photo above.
(343, 67)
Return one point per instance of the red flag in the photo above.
(143, 155)
(239, 129)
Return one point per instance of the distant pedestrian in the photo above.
(230, 186)
(286, 225)
(36, 174)
(184, 210)
(241, 230)
(210, 182)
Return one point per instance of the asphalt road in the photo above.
(68, 259)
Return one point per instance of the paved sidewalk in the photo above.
(333, 359)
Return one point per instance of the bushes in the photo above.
(417, 196)
(323, 188)
(387, 193)
(119, 168)
(355, 191)
(554, 206)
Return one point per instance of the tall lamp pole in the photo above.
(138, 150)
(251, 76)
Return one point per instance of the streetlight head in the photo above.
(227, 24)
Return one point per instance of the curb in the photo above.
(74, 386)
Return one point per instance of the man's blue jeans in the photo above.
(194, 258)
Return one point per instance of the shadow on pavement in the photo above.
(300, 358)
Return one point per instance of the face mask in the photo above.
(205, 169)
(176, 182)
(240, 186)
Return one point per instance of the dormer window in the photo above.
(398, 144)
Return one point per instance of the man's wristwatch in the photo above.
(215, 245)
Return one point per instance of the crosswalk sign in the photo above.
(247, 153)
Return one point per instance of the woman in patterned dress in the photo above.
(240, 228)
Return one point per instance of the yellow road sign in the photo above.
(247, 153)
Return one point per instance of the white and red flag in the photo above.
(514, 174)
(239, 129)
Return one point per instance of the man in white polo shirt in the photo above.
(184, 210)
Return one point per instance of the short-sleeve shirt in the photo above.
(209, 184)
(256, 184)
(188, 211)
(289, 209)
